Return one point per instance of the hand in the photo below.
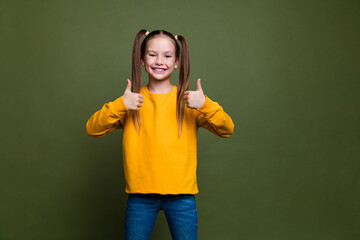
(132, 100)
(195, 99)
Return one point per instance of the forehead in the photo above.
(160, 44)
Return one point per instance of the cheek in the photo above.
(148, 60)
(172, 63)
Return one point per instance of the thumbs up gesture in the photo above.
(133, 101)
(195, 99)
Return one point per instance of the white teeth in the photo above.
(159, 70)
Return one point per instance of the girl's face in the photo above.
(160, 59)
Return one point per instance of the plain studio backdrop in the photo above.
(287, 72)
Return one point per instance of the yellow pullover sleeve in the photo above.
(213, 118)
(107, 119)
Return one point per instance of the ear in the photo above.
(142, 62)
(176, 63)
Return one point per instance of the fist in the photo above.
(133, 101)
(195, 99)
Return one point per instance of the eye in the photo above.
(167, 56)
(151, 54)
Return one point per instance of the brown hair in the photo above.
(139, 49)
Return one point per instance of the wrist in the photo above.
(125, 102)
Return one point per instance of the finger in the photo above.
(141, 100)
(186, 93)
(199, 85)
(141, 96)
(128, 86)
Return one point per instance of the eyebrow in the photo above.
(155, 51)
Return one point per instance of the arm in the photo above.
(107, 119)
(111, 116)
(213, 118)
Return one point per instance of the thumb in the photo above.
(199, 85)
(128, 87)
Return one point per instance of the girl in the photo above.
(160, 123)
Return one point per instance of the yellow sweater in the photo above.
(156, 160)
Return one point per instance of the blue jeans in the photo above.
(180, 211)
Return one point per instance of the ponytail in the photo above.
(136, 75)
(184, 76)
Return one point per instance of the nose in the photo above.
(159, 61)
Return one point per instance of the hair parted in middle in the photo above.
(138, 54)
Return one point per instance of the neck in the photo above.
(159, 87)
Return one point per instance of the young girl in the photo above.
(160, 123)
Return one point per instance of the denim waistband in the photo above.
(157, 195)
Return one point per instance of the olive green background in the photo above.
(287, 72)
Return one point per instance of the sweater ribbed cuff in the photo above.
(208, 106)
(118, 105)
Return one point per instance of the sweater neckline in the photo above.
(158, 95)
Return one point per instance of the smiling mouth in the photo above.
(159, 70)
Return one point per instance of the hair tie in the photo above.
(147, 33)
(176, 37)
